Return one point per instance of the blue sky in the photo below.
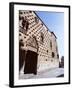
(55, 22)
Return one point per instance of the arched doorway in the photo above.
(31, 56)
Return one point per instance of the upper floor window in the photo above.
(47, 51)
(53, 54)
(42, 37)
(36, 20)
(51, 44)
(25, 23)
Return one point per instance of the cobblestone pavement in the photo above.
(50, 73)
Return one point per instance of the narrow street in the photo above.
(50, 73)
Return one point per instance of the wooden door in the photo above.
(30, 62)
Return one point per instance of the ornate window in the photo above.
(51, 44)
(25, 24)
(36, 20)
(32, 42)
(53, 54)
(42, 37)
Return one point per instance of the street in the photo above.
(50, 73)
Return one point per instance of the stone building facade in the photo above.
(38, 48)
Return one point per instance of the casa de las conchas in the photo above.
(38, 48)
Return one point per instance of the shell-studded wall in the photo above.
(36, 37)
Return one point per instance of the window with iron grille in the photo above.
(50, 44)
(36, 20)
(53, 55)
(42, 37)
